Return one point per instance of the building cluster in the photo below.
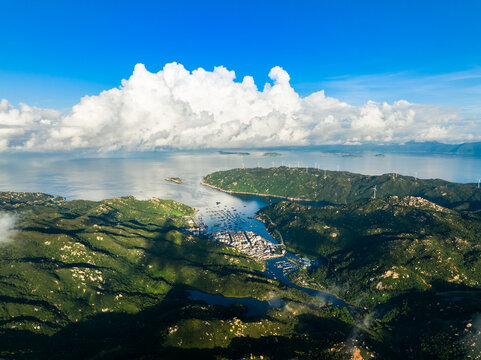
(249, 243)
(196, 228)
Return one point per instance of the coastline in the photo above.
(254, 194)
(173, 180)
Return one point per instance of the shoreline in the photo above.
(254, 194)
(174, 180)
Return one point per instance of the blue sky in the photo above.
(54, 52)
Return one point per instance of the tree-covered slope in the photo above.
(414, 264)
(340, 187)
(378, 247)
(108, 279)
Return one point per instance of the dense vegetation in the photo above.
(376, 248)
(340, 187)
(413, 264)
(108, 280)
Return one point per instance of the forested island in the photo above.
(176, 180)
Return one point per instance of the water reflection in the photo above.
(254, 307)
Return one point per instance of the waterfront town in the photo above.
(249, 243)
(230, 226)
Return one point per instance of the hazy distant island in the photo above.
(223, 152)
(177, 180)
(412, 147)
(351, 155)
(272, 154)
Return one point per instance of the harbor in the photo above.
(238, 228)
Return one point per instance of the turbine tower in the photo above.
(374, 190)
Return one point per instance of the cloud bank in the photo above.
(7, 227)
(175, 108)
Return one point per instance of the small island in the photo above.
(177, 180)
(222, 152)
(273, 154)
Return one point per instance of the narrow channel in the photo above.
(222, 217)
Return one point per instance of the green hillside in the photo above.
(108, 280)
(412, 263)
(410, 257)
(378, 247)
(340, 187)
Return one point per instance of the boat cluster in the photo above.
(226, 218)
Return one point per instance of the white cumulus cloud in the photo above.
(210, 109)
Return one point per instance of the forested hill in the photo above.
(359, 243)
(412, 263)
(111, 280)
(340, 187)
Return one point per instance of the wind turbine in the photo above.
(375, 190)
